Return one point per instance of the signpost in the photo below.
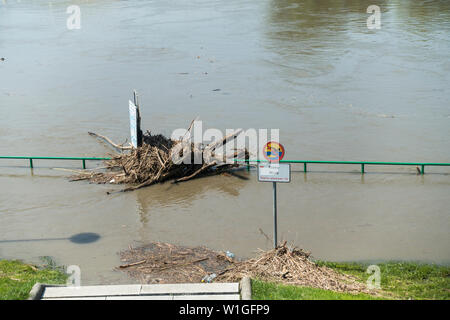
(135, 122)
(274, 172)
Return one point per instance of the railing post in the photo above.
(304, 166)
(362, 167)
(84, 163)
(423, 169)
(31, 163)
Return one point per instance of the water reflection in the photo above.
(184, 194)
(421, 16)
(309, 34)
(304, 35)
(310, 26)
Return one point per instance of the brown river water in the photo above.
(334, 88)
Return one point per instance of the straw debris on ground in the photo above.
(292, 266)
(153, 162)
(167, 263)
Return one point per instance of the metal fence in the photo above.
(83, 159)
(363, 164)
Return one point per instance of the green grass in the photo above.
(262, 290)
(404, 280)
(17, 278)
(399, 280)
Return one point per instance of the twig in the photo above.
(69, 170)
(203, 168)
(225, 140)
(183, 264)
(132, 264)
(265, 235)
(115, 145)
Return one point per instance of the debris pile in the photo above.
(167, 263)
(291, 266)
(160, 159)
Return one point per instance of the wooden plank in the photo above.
(92, 291)
(190, 288)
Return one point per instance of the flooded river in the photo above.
(334, 88)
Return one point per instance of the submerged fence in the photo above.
(363, 164)
(83, 159)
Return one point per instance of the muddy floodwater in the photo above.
(335, 89)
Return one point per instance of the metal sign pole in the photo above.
(274, 172)
(274, 214)
(138, 118)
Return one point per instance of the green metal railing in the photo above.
(83, 159)
(361, 163)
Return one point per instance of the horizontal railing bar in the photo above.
(354, 162)
(250, 161)
(53, 158)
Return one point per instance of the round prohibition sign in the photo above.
(273, 151)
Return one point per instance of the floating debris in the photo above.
(153, 162)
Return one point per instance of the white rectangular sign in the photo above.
(274, 172)
(133, 124)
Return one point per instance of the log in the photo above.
(226, 139)
(203, 168)
(115, 145)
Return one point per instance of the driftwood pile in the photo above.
(167, 263)
(292, 266)
(153, 162)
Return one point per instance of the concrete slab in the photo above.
(208, 297)
(76, 298)
(92, 291)
(191, 288)
(179, 291)
(158, 297)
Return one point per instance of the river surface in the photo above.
(334, 88)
